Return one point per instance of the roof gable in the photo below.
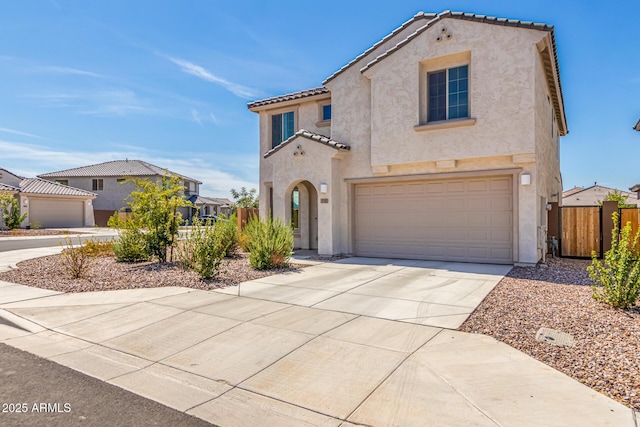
(312, 136)
(42, 186)
(115, 168)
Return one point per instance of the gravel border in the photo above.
(21, 232)
(106, 274)
(606, 354)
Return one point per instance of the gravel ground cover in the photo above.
(106, 274)
(606, 354)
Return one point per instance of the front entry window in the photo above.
(295, 208)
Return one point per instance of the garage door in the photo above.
(53, 213)
(468, 220)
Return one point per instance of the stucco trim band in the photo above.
(438, 175)
(445, 124)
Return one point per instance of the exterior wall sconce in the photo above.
(525, 179)
(25, 202)
(324, 188)
(549, 206)
(88, 202)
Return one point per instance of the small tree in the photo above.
(617, 196)
(10, 210)
(618, 278)
(154, 210)
(245, 198)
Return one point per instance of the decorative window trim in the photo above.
(445, 124)
(439, 64)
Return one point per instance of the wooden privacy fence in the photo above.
(245, 215)
(587, 229)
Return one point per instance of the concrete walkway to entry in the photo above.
(301, 350)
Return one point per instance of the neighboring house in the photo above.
(49, 204)
(108, 181)
(593, 196)
(210, 205)
(439, 142)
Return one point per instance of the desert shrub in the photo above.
(97, 248)
(35, 225)
(202, 250)
(10, 211)
(228, 232)
(617, 279)
(270, 243)
(76, 260)
(131, 245)
(243, 241)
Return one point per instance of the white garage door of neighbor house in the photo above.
(469, 220)
(53, 213)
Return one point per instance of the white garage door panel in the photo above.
(53, 213)
(457, 220)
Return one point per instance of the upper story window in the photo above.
(326, 112)
(97, 184)
(62, 181)
(282, 128)
(448, 94)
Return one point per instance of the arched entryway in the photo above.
(301, 211)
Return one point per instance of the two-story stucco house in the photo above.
(108, 181)
(440, 142)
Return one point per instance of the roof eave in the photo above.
(289, 102)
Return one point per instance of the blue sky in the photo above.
(168, 81)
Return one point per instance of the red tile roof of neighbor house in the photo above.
(288, 97)
(313, 137)
(115, 168)
(593, 196)
(42, 186)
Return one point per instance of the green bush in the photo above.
(228, 232)
(97, 248)
(270, 243)
(618, 277)
(202, 250)
(10, 211)
(131, 245)
(76, 260)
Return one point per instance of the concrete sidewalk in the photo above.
(237, 361)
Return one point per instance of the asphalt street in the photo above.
(38, 392)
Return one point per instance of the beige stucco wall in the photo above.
(377, 112)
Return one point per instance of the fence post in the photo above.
(608, 208)
(245, 215)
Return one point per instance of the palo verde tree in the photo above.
(154, 211)
(245, 198)
(10, 211)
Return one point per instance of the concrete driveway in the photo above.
(441, 294)
(337, 344)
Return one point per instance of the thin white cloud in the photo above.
(72, 71)
(196, 116)
(110, 102)
(214, 119)
(17, 132)
(202, 73)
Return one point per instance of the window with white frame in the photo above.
(448, 94)
(282, 128)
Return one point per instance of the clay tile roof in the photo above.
(41, 186)
(313, 137)
(288, 97)
(7, 187)
(592, 196)
(114, 168)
